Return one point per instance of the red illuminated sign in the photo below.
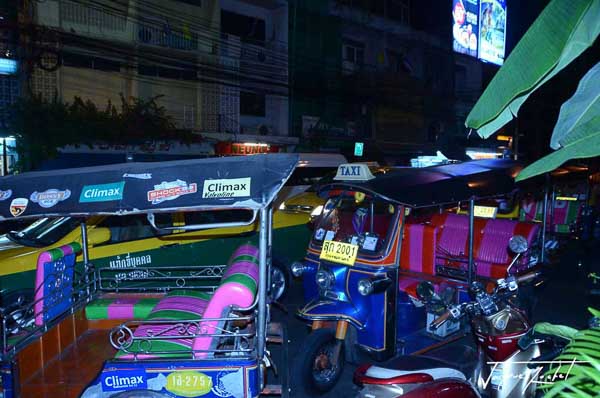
(240, 149)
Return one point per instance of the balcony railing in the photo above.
(162, 34)
(92, 16)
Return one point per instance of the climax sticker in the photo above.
(18, 206)
(102, 192)
(49, 197)
(228, 188)
(125, 379)
(170, 190)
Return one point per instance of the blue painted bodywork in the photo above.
(228, 378)
(8, 381)
(376, 319)
(343, 301)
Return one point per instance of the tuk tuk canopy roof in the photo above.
(249, 182)
(437, 185)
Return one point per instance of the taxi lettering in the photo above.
(350, 171)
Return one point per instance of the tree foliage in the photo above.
(42, 127)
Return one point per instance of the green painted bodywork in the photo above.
(289, 244)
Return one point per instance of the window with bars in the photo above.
(353, 52)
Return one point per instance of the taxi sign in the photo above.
(567, 198)
(339, 252)
(354, 172)
(485, 211)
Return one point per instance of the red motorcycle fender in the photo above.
(443, 388)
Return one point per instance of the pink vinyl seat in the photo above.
(237, 289)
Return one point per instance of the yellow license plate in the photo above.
(485, 211)
(339, 252)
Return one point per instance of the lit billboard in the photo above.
(479, 29)
(8, 66)
(465, 32)
(492, 31)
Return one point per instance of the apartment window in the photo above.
(197, 3)
(394, 61)
(253, 104)
(248, 29)
(84, 61)
(353, 52)
(167, 73)
(399, 10)
(397, 62)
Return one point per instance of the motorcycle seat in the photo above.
(403, 366)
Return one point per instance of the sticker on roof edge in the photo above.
(227, 188)
(18, 206)
(5, 194)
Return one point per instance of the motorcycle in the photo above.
(508, 352)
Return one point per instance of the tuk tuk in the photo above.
(141, 331)
(381, 233)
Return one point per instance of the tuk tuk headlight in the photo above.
(282, 206)
(365, 287)
(316, 211)
(373, 285)
(324, 278)
(297, 269)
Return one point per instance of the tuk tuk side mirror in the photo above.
(425, 291)
(97, 236)
(518, 244)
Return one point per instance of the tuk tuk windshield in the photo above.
(358, 220)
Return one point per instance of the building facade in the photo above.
(219, 68)
(399, 89)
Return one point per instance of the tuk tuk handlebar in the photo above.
(509, 285)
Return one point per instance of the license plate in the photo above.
(497, 377)
(339, 252)
(485, 211)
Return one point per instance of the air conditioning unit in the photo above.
(263, 129)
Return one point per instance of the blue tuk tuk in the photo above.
(381, 233)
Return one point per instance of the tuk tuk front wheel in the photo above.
(280, 280)
(320, 363)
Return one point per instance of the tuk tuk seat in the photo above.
(494, 256)
(54, 282)
(418, 248)
(122, 306)
(490, 244)
(237, 288)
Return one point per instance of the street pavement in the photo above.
(562, 300)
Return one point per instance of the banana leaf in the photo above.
(560, 34)
(566, 332)
(585, 147)
(580, 115)
(577, 131)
